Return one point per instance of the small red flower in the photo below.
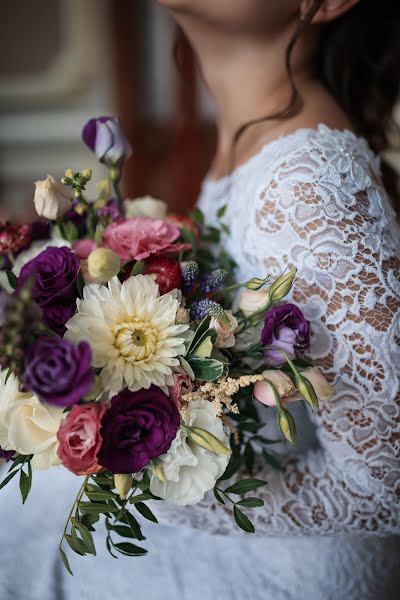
(167, 271)
(13, 237)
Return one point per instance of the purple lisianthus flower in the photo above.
(58, 371)
(6, 454)
(136, 428)
(53, 273)
(110, 211)
(104, 137)
(285, 327)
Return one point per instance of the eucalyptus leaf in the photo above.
(133, 524)
(86, 537)
(65, 561)
(76, 547)
(97, 508)
(130, 549)
(145, 512)
(244, 486)
(100, 495)
(242, 520)
(251, 502)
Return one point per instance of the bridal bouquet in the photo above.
(131, 357)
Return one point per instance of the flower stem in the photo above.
(74, 507)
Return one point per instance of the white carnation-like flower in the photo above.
(132, 332)
(189, 470)
(28, 425)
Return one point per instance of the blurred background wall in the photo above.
(64, 61)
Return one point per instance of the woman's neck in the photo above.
(246, 76)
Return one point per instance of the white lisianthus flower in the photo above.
(28, 425)
(251, 301)
(132, 332)
(34, 250)
(189, 471)
(145, 207)
(52, 199)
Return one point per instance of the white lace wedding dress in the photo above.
(329, 529)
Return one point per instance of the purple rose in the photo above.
(285, 327)
(105, 138)
(136, 428)
(53, 273)
(6, 454)
(58, 371)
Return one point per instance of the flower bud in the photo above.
(286, 425)
(123, 483)
(69, 174)
(322, 388)
(255, 283)
(282, 286)
(80, 208)
(145, 207)
(306, 390)
(204, 349)
(86, 174)
(52, 199)
(105, 138)
(103, 264)
(252, 301)
(158, 471)
(207, 440)
(264, 393)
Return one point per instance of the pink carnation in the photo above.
(141, 237)
(80, 439)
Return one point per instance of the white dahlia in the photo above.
(132, 332)
(189, 470)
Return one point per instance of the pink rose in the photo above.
(80, 439)
(226, 335)
(182, 385)
(141, 237)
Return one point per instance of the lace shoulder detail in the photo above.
(315, 200)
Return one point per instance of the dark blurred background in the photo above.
(64, 61)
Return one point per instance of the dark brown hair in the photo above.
(358, 61)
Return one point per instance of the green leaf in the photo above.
(108, 546)
(133, 524)
(221, 211)
(130, 549)
(123, 531)
(251, 502)
(187, 368)
(19, 458)
(242, 520)
(206, 369)
(145, 512)
(12, 279)
(7, 479)
(225, 228)
(76, 546)
(189, 237)
(197, 216)
(244, 486)
(137, 268)
(65, 561)
(25, 483)
(87, 537)
(218, 496)
(89, 520)
(143, 497)
(9, 373)
(99, 494)
(233, 466)
(203, 327)
(97, 508)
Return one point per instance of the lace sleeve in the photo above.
(322, 209)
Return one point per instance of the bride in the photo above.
(305, 93)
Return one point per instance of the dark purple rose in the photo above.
(136, 428)
(6, 454)
(105, 138)
(53, 274)
(40, 230)
(58, 371)
(285, 327)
